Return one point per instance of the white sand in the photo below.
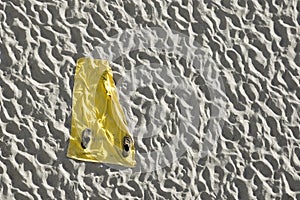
(210, 90)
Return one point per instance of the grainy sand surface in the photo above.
(210, 90)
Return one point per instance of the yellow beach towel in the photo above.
(99, 129)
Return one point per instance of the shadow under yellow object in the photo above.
(99, 129)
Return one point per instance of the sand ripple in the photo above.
(255, 45)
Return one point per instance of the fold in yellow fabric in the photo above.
(99, 130)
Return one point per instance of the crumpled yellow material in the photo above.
(99, 130)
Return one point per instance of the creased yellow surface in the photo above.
(96, 107)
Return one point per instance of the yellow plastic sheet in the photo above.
(99, 129)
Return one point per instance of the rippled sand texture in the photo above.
(256, 46)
